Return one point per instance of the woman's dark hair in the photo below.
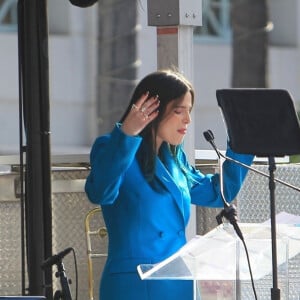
(170, 86)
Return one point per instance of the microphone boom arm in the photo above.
(258, 172)
(210, 137)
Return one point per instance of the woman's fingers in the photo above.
(142, 113)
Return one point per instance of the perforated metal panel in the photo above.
(254, 207)
(254, 198)
(10, 250)
(70, 206)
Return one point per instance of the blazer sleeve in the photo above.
(205, 189)
(111, 156)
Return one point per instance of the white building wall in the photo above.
(73, 70)
(9, 114)
(210, 75)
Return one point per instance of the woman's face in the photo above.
(173, 126)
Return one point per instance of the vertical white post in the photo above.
(175, 21)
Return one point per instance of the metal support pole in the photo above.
(175, 50)
(34, 91)
(175, 21)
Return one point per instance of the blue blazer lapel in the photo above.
(164, 176)
(175, 182)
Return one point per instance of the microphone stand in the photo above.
(275, 291)
(229, 211)
(65, 293)
(56, 259)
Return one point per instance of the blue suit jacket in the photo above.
(147, 225)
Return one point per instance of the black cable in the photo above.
(219, 220)
(76, 274)
(250, 269)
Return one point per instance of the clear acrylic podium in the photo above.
(219, 258)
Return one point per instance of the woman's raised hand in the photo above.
(144, 111)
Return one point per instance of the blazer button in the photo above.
(181, 233)
(161, 234)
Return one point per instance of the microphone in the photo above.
(83, 3)
(55, 258)
(209, 136)
(229, 211)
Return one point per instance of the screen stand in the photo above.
(262, 122)
(275, 291)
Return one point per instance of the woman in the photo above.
(141, 178)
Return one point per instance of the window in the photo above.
(8, 15)
(215, 21)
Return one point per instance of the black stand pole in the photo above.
(275, 291)
(65, 293)
(34, 101)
